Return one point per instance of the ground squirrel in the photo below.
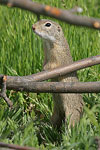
(57, 53)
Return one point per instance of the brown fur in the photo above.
(57, 53)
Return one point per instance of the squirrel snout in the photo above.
(33, 28)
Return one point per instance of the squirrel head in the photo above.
(48, 30)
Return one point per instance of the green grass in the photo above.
(21, 53)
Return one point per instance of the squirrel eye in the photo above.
(48, 24)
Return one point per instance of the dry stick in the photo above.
(56, 87)
(3, 92)
(26, 83)
(16, 147)
(63, 15)
(58, 72)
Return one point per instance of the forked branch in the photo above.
(63, 15)
(58, 72)
(3, 92)
(29, 84)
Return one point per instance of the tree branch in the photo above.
(26, 83)
(16, 147)
(3, 92)
(56, 87)
(58, 72)
(63, 15)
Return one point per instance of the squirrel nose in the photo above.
(33, 27)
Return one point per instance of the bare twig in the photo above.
(56, 87)
(26, 83)
(16, 147)
(63, 15)
(44, 75)
(3, 92)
